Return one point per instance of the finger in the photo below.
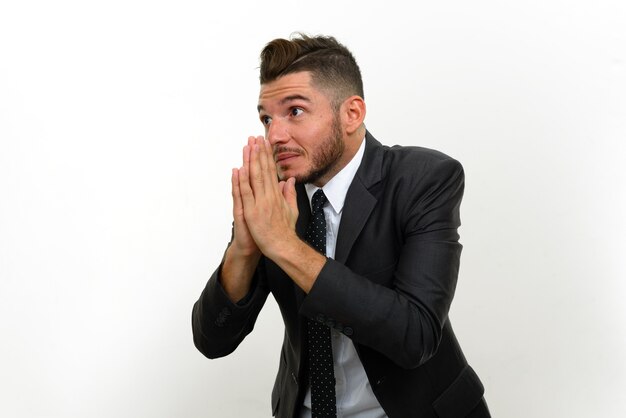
(250, 163)
(246, 156)
(245, 191)
(251, 141)
(255, 172)
(266, 166)
(290, 194)
(246, 152)
(272, 164)
(260, 146)
(237, 204)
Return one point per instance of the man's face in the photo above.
(303, 129)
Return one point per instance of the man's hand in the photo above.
(269, 207)
(243, 241)
(242, 256)
(265, 212)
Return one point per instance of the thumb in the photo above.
(289, 192)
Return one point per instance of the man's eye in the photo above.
(266, 120)
(296, 111)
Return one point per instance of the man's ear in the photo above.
(353, 113)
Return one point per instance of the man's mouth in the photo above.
(284, 155)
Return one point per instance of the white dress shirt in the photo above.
(355, 398)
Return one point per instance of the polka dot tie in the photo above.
(323, 401)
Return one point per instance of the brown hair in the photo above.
(332, 66)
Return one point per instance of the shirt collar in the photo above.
(337, 188)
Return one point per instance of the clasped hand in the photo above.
(265, 210)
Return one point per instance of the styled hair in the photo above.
(332, 66)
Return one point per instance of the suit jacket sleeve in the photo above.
(218, 324)
(402, 311)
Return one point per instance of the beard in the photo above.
(326, 156)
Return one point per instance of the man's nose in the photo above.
(277, 132)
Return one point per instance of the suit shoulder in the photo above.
(419, 160)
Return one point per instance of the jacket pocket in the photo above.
(461, 397)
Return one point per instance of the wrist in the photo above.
(299, 260)
(243, 251)
(237, 272)
(282, 247)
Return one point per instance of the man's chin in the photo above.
(284, 175)
(311, 176)
(300, 178)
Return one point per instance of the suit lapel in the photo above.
(359, 200)
(357, 208)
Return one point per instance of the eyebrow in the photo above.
(288, 99)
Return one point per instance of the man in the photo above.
(363, 271)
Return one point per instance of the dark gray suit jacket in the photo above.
(389, 289)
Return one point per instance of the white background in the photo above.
(120, 122)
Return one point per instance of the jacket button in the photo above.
(347, 331)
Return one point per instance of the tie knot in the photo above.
(318, 200)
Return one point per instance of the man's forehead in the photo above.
(290, 85)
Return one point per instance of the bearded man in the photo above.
(356, 241)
